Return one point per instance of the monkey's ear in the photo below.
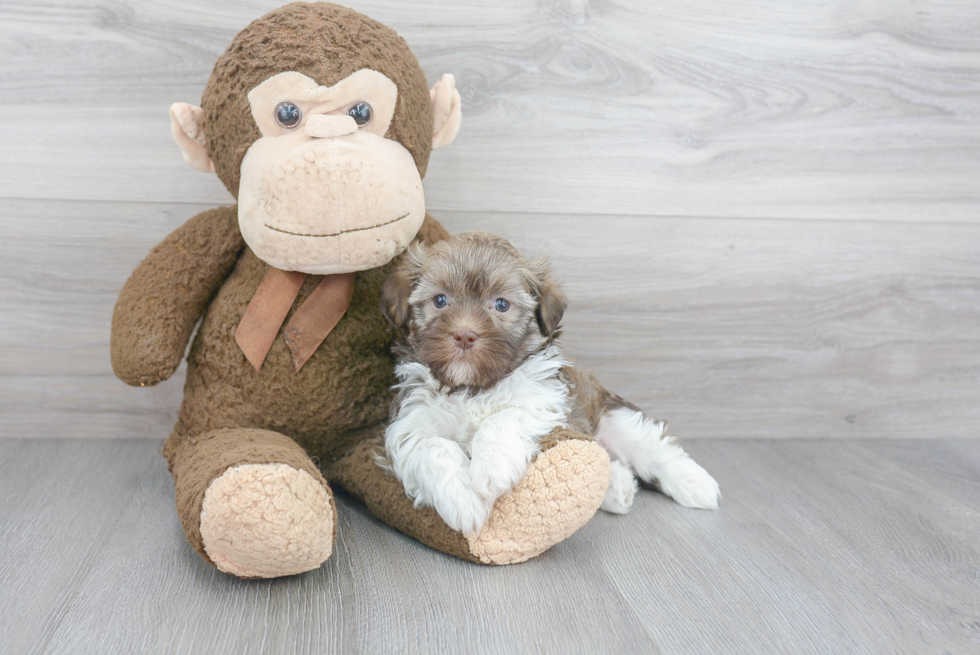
(187, 128)
(551, 301)
(400, 283)
(446, 110)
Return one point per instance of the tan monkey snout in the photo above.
(327, 126)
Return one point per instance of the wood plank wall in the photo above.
(765, 214)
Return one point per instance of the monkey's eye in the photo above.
(288, 115)
(439, 301)
(501, 305)
(361, 113)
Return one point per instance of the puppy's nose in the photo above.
(326, 126)
(465, 338)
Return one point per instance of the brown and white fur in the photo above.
(482, 381)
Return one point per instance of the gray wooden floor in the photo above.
(865, 546)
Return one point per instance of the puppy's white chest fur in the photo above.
(534, 390)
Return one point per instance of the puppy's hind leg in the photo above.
(642, 444)
(622, 489)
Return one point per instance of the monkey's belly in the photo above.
(342, 391)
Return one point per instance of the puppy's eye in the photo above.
(501, 305)
(288, 115)
(361, 113)
(439, 301)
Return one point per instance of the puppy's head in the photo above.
(472, 307)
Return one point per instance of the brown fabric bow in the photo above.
(308, 327)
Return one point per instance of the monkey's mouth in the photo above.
(337, 234)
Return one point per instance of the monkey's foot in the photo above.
(252, 502)
(266, 521)
(561, 490)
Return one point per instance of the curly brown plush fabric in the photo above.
(166, 294)
(326, 42)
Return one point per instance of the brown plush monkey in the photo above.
(320, 122)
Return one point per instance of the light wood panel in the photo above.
(728, 328)
(819, 547)
(770, 328)
(859, 110)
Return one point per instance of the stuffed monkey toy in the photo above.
(320, 122)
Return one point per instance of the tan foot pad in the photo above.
(560, 492)
(266, 521)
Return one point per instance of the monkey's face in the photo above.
(323, 191)
(320, 121)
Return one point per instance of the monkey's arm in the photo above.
(166, 294)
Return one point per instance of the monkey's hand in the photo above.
(167, 293)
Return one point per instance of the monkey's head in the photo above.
(320, 122)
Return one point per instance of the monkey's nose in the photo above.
(327, 126)
(465, 338)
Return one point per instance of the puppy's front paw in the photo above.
(622, 489)
(463, 510)
(495, 472)
(690, 485)
(500, 454)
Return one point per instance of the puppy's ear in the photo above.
(400, 282)
(551, 301)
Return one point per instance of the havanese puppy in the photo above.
(482, 380)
